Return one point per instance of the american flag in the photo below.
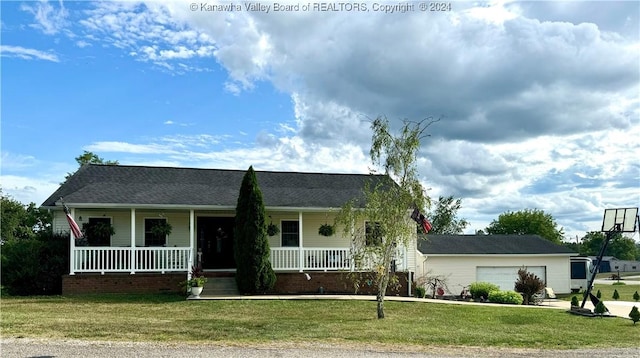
(422, 220)
(75, 229)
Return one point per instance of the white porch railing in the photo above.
(326, 259)
(320, 259)
(119, 259)
(178, 259)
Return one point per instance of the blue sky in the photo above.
(539, 101)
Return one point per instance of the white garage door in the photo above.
(506, 276)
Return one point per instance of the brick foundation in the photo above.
(287, 283)
(121, 283)
(331, 283)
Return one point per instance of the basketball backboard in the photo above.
(621, 220)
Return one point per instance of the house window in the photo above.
(98, 231)
(151, 239)
(290, 233)
(373, 234)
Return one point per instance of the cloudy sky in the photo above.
(539, 102)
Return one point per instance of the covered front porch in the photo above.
(204, 238)
(180, 259)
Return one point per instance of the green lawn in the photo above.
(170, 318)
(625, 291)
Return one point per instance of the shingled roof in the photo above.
(122, 185)
(489, 245)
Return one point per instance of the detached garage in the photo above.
(464, 259)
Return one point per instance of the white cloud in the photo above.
(49, 19)
(122, 147)
(539, 101)
(83, 44)
(27, 53)
(28, 189)
(149, 34)
(14, 162)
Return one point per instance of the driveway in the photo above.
(629, 280)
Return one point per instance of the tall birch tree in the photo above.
(387, 203)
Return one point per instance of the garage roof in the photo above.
(489, 245)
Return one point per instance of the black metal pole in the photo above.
(608, 237)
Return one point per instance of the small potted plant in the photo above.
(272, 229)
(195, 284)
(326, 230)
(161, 229)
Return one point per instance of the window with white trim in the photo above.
(150, 238)
(290, 233)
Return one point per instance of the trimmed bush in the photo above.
(506, 297)
(616, 295)
(634, 314)
(636, 296)
(600, 309)
(481, 289)
(574, 301)
(420, 291)
(599, 294)
(528, 284)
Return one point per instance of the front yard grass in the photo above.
(170, 318)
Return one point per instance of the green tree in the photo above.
(620, 247)
(444, 217)
(254, 273)
(636, 296)
(616, 295)
(387, 205)
(19, 221)
(532, 222)
(35, 266)
(90, 158)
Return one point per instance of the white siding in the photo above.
(310, 224)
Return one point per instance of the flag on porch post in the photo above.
(75, 229)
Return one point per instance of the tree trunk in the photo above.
(380, 305)
(384, 280)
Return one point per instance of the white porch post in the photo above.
(132, 252)
(192, 240)
(300, 243)
(72, 260)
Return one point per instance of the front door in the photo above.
(215, 240)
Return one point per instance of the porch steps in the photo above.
(220, 286)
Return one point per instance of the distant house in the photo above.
(464, 259)
(200, 204)
(612, 264)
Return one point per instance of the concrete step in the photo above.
(220, 286)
